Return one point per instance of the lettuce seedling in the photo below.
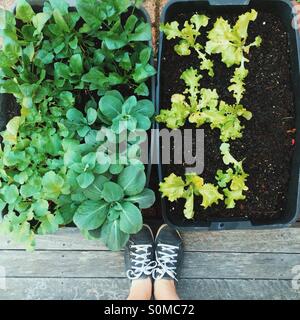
(233, 180)
(204, 107)
(230, 42)
(175, 188)
(177, 115)
(188, 36)
(225, 117)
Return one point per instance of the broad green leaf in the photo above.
(89, 160)
(10, 193)
(145, 199)
(61, 5)
(21, 178)
(132, 179)
(31, 188)
(76, 64)
(145, 55)
(114, 213)
(112, 192)
(24, 11)
(94, 191)
(143, 72)
(67, 212)
(11, 49)
(29, 51)
(103, 163)
(52, 185)
(91, 214)
(142, 90)
(130, 23)
(62, 70)
(125, 61)
(113, 237)
(110, 106)
(89, 12)
(85, 179)
(116, 168)
(95, 77)
(74, 43)
(91, 116)
(131, 220)
(143, 123)
(144, 107)
(66, 99)
(75, 115)
(40, 208)
(39, 21)
(115, 41)
(141, 33)
(43, 58)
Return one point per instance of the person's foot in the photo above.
(168, 253)
(139, 255)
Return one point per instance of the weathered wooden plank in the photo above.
(64, 239)
(277, 240)
(109, 264)
(116, 289)
(280, 240)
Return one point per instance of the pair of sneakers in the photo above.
(159, 258)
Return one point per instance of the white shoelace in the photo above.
(142, 262)
(166, 261)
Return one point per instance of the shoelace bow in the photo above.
(142, 263)
(166, 262)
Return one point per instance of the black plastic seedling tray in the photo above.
(283, 9)
(8, 102)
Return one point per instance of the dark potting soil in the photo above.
(267, 142)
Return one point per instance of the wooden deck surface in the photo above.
(217, 265)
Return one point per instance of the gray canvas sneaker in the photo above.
(139, 255)
(168, 253)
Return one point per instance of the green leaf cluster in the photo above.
(204, 106)
(231, 43)
(175, 188)
(188, 36)
(233, 180)
(56, 165)
(230, 186)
